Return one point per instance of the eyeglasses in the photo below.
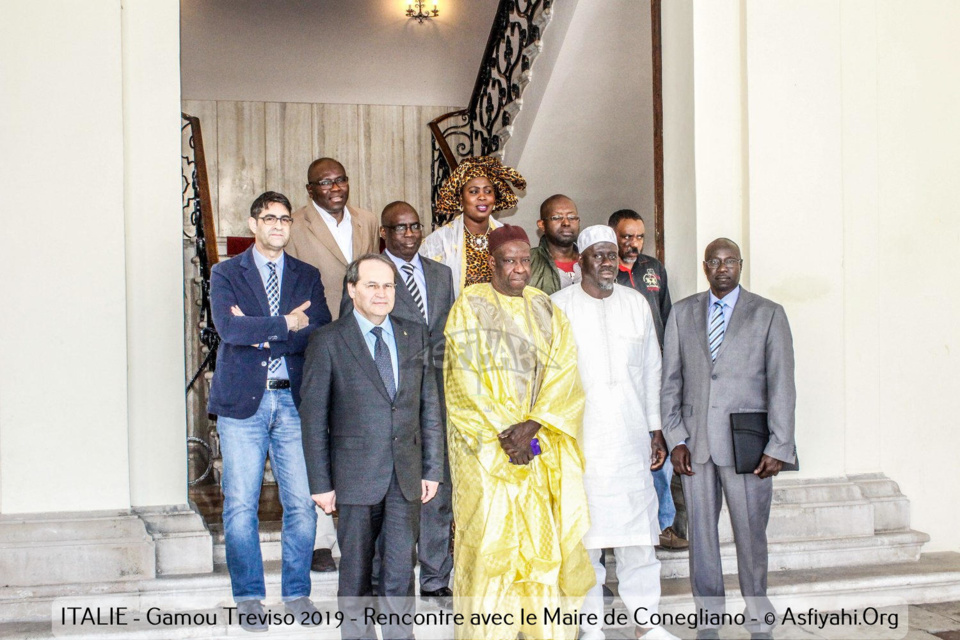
(326, 184)
(402, 228)
(567, 218)
(270, 220)
(729, 263)
(376, 286)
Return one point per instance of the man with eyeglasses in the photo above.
(727, 351)
(373, 442)
(328, 235)
(553, 263)
(265, 305)
(424, 295)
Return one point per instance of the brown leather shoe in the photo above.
(323, 561)
(670, 540)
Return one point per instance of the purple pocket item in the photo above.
(535, 447)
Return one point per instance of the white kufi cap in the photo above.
(594, 234)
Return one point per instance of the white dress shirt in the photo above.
(342, 233)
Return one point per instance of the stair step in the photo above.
(817, 553)
(935, 577)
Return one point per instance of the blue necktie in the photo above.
(381, 355)
(715, 329)
(273, 297)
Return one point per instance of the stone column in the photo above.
(154, 285)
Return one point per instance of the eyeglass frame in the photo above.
(729, 263)
(401, 229)
(284, 220)
(339, 180)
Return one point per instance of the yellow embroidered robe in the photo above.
(519, 527)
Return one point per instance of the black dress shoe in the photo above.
(442, 592)
(323, 561)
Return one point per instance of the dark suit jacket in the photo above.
(439, 300)
(650, 278)
(354, 437)
(241, 374)
(754, 371)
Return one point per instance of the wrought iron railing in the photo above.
(478, 129)
(197, 208)
(202, 340)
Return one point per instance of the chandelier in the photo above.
(419, 14)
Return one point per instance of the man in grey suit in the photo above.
(372, 439)
(424, 295)
(726, 351)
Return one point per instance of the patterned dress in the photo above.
(476, 252)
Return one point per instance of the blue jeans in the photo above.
(661, 482)
(274, 428)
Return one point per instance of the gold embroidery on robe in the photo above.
(519, 527)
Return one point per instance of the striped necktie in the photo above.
(273, 297)
(413, 288)
(715, 329)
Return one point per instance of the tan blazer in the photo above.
(312, 242)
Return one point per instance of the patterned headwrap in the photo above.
(448, 200)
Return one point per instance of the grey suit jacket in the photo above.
(354, 437)
(754, 371)
(439, 300)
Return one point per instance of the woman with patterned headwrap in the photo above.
(477, 188)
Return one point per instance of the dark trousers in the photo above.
(396, 522)
(436, 560)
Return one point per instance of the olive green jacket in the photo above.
(543, 270)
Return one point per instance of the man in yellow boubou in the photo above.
(515, 409)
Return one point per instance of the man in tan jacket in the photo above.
(326, 233)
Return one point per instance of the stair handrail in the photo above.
(497, 86)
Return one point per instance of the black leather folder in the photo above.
(750, 437)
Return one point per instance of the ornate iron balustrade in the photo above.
(478, 129)
(197, 208)
(202, 340)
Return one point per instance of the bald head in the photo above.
(726, 243)
(546, 207)
(323, 163)
(394, 209)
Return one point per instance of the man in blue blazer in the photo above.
(265, 305)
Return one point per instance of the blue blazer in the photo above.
(241, 374)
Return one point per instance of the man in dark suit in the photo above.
(265, 305)
(373, 441)
(424, 295)
(727, 351)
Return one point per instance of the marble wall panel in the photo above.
(241, 163)
(289, 143)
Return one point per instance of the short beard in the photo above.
(560, 242)
(606, 286)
